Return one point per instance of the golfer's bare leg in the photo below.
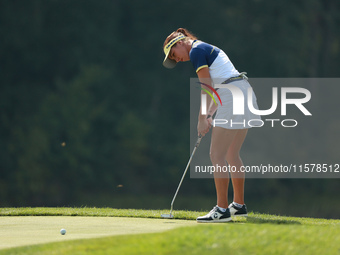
(221, 140)
(233, 158)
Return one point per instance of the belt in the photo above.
(236, 78)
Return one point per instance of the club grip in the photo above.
(198, 141)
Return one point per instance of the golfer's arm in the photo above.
(212, 108)
(204, 77)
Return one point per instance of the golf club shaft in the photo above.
(185, 171)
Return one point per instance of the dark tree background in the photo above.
(87, 112)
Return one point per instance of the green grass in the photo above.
(184, 215)
(257, 234)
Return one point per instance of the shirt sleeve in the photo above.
(198, 58)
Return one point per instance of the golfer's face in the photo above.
(179, 53)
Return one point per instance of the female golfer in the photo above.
(229, 132)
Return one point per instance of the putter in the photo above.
(170, 216)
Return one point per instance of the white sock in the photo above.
(237, 205)
(222, 209)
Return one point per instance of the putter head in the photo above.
(167, 216)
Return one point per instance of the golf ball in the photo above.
(63, 231)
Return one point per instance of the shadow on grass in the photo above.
(259, 220)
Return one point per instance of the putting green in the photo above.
(29, 230)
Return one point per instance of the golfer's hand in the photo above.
(210, 120)
(203, 126)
